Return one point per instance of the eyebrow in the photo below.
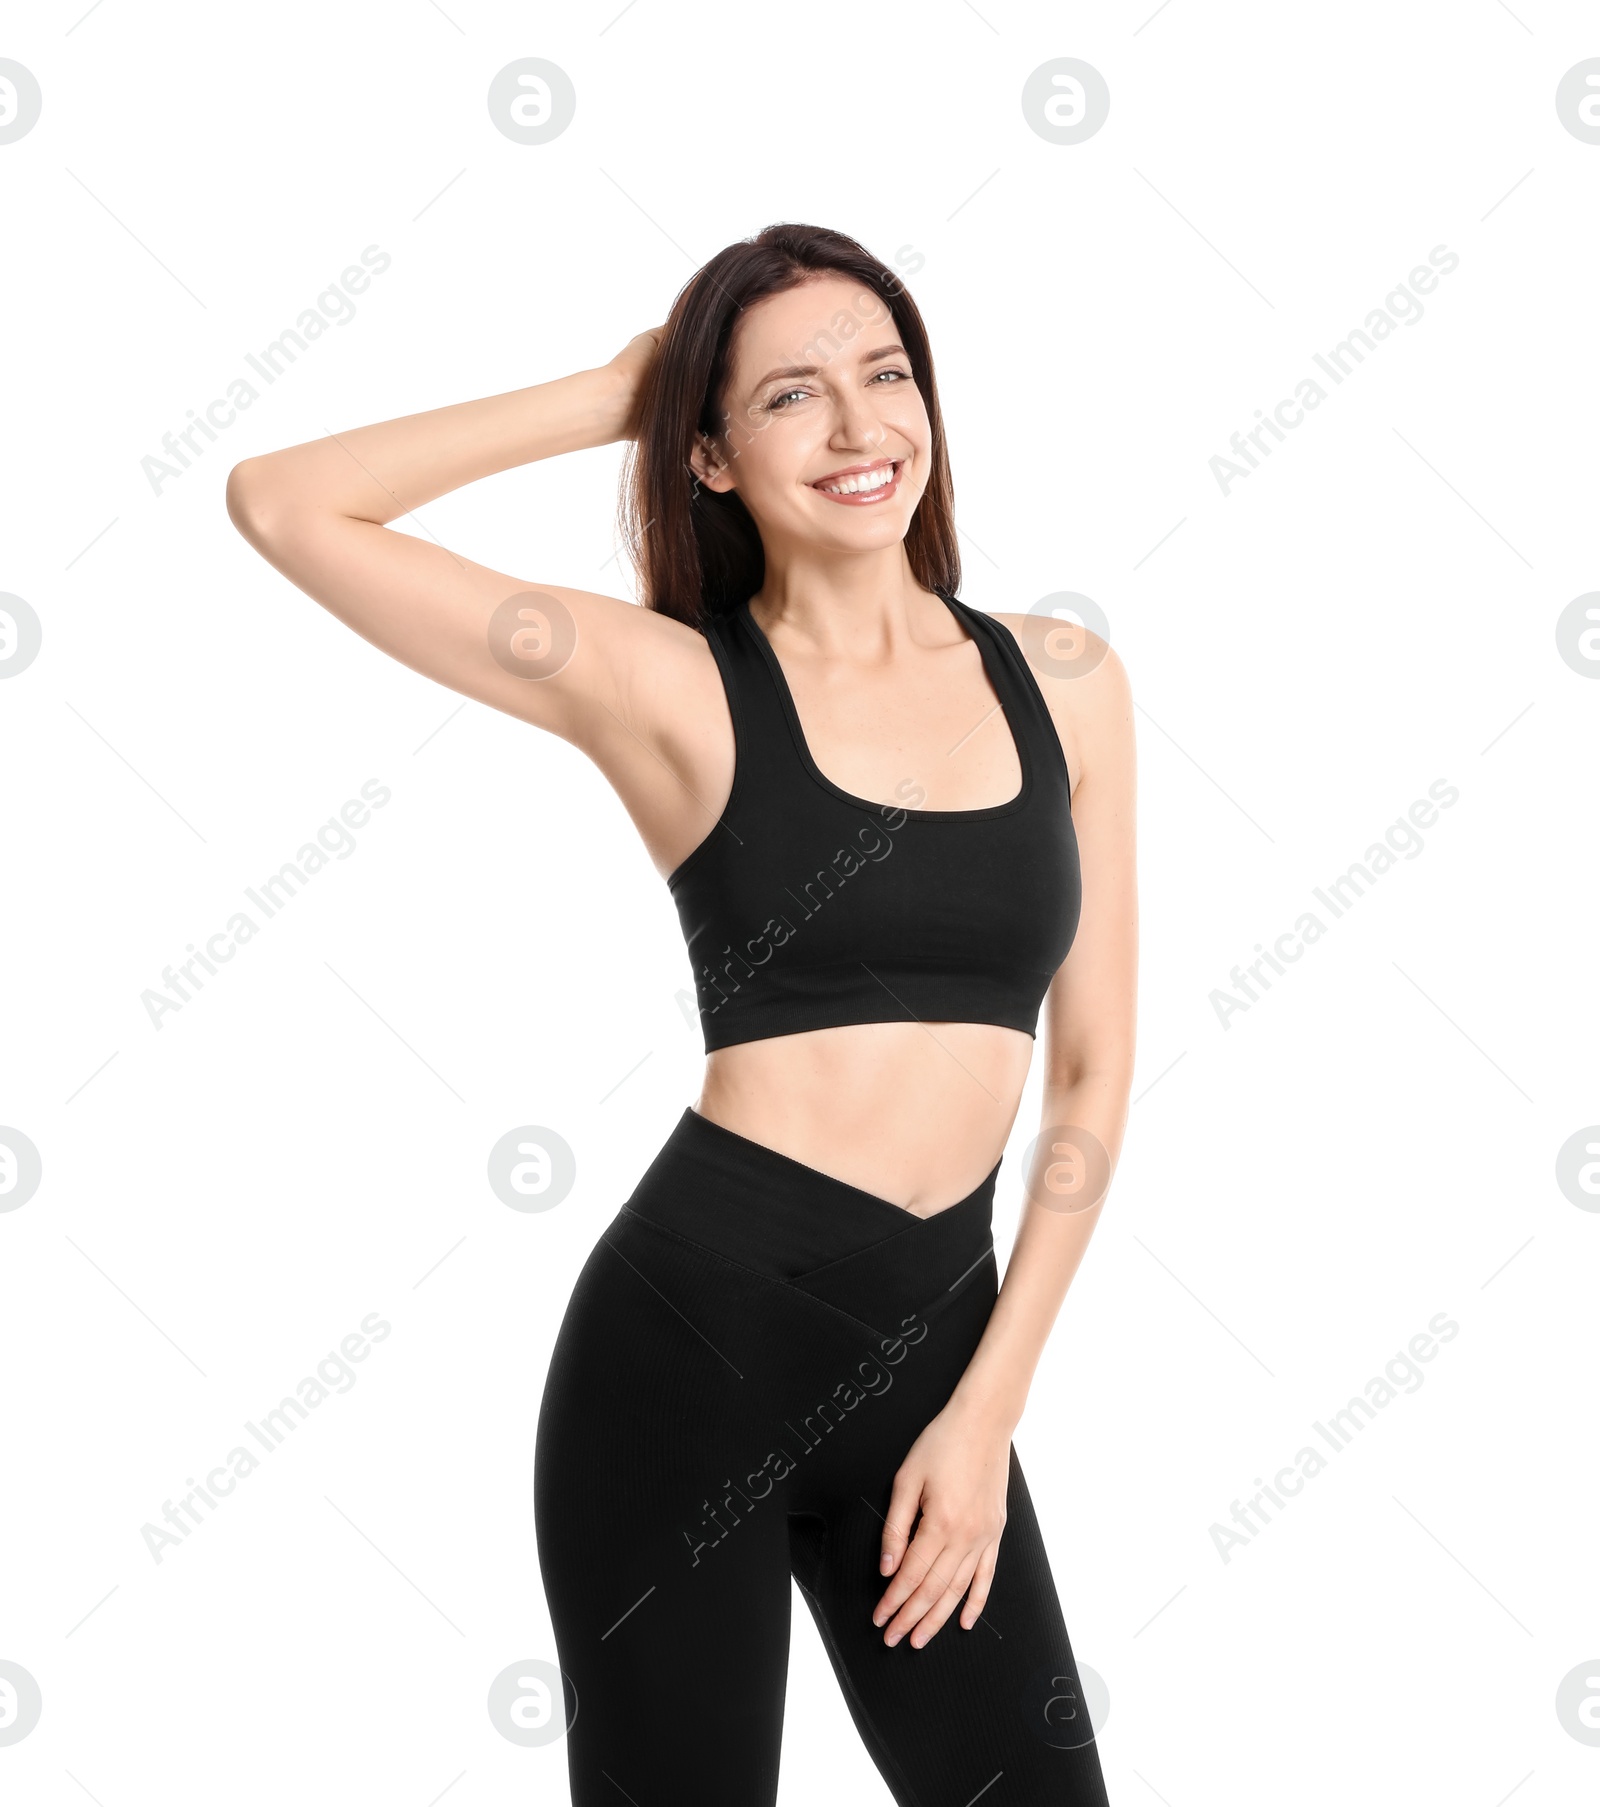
(872, 357)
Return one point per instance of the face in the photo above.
(826, 439)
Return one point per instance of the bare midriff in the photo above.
(915, 1113)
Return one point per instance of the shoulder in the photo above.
(1084, 684)
(614, 670)
(635, 641)
(675, 686)
(1072, 662)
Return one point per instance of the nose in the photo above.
(856, 424)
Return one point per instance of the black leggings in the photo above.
(748, 1353)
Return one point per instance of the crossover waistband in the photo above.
(774, 1214)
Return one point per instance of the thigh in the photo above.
(668, 1586)
(996, 1710)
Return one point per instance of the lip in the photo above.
(867, 498)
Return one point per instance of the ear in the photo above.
(709, 465)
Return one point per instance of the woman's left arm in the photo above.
(956, 1473)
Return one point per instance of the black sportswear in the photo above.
(749, 1351)
(806, 907)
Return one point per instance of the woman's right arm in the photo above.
(639, 693)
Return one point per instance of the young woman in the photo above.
(897, 831)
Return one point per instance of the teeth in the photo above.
(853, 486)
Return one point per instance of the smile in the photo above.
(875, 484)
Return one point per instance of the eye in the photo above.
(781, 401)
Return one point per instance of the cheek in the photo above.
(912, 425)
(909, 422)
(775, 464)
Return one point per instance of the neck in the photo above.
(865, 605)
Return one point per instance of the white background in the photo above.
(1373, 1142)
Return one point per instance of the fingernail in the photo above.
(885, 1563)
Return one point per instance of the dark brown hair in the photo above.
(698, 553)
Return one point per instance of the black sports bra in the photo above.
(807, 908)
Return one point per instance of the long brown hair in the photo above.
(697, 552)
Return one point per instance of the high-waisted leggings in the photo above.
(750, 1350)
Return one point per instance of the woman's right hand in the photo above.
(630, 366)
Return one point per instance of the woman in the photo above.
(896, 831)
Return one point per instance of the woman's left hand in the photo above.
(955, 1474)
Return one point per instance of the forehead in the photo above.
(830, 318)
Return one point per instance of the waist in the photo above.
(769, 1212)
(915, 1112)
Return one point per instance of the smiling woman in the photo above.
(897, 839)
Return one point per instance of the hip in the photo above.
(737, 1290)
